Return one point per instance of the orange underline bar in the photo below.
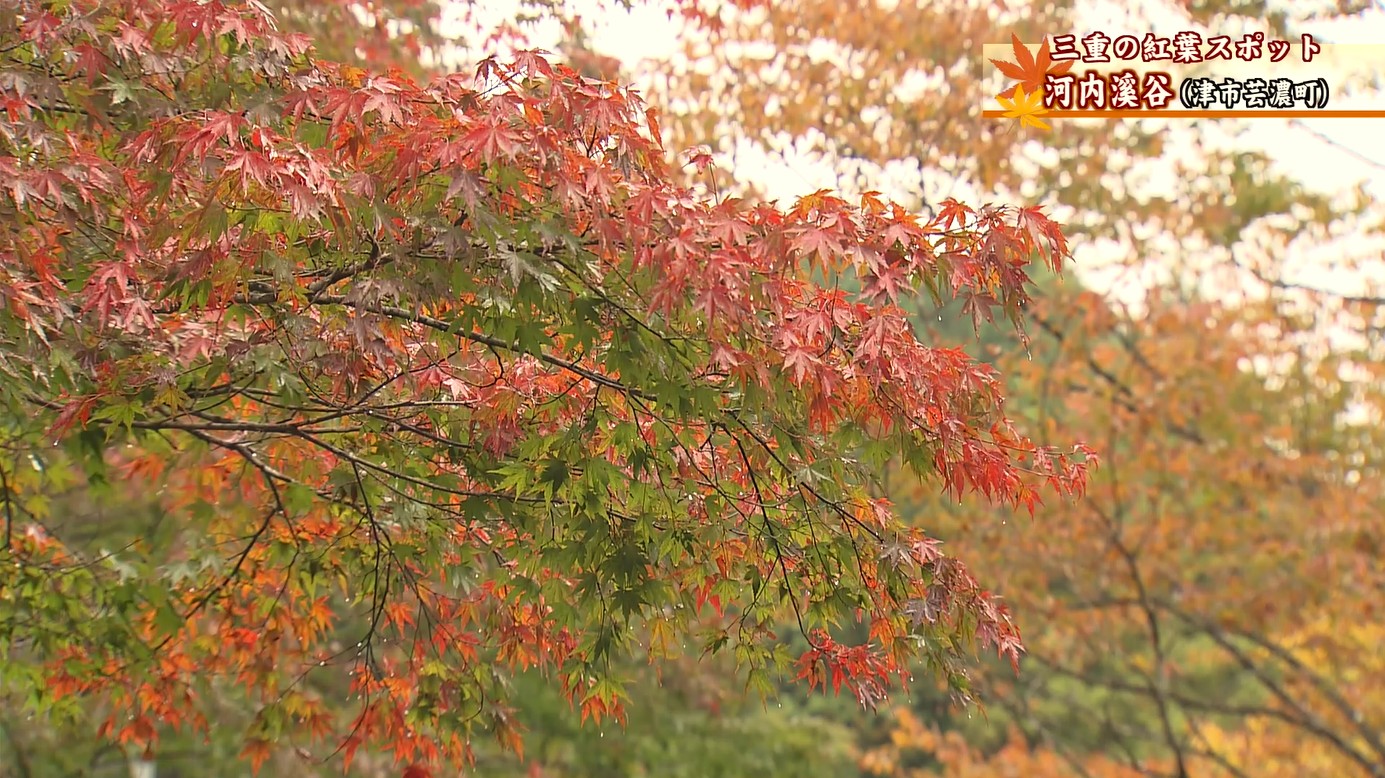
(1271, 114)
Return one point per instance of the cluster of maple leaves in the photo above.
(449, 380)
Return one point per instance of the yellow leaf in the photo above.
(660, 639)
(1027, 108)
(353, 76)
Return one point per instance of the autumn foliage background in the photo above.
(381, 394)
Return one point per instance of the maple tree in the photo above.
(435, 383)
(1222, 531)
(1340, 653)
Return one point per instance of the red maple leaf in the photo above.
(1029, 70)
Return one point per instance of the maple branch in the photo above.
(223, 425)
(380, 541)
(374, 260)
(1124, 394)
(1305, 721)
(1297, 715)
(833, 504)
(774, 539)
(1156, 680)
(598, 378)
(600, 294)
(1128, 737)
(376, 471)
(1034, 731)
(271, 477)
(1216, 756)
(1348, 711)
(476, 337)
(5, 494)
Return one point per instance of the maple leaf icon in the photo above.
(1025, 107)
(1028, 69)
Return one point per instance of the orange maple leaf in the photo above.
(1025, 107)
(257, 751)
(1028, 69)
